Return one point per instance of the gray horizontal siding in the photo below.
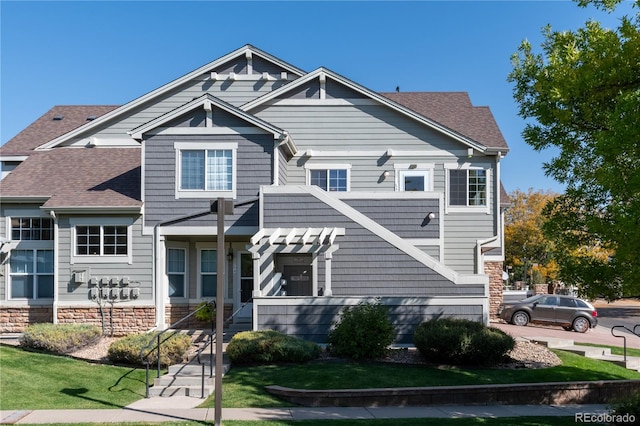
(312, 319)
(254, 168)
(405, 217)
(462, 231)
(365, 264)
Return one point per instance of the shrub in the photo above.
(205, 311)
(59, 338)
(269, 346)
(461, 342)
(362, 332)
(127, 349)
(626, 409)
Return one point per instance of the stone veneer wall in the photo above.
(175, 313)
(494, 271)
(126, 319)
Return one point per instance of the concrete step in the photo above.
(193, 391)
(588, 351)
(193, 369)
(632, 362)
(167, 381)
(552, 342)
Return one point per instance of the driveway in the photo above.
(609, 314)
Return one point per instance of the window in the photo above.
(208, 272)
(330, 179)
(205, 172)
(468, 187)
(414, 180)
(102, 240)
(176, 271)
(31, 273)
(31, 229)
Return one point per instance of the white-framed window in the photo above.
(329, 177)
(414, 177)
(208, 272)
(177, 271)
(101, 240)
(205, 170)
(31, 229)
(31, 274)
(467, 188)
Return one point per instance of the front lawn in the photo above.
(31, 380)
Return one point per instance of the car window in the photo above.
(570, 303)
(582, 304)
(548, 300)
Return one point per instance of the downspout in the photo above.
(56, 291)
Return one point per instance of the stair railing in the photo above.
(623, 337)
(162, 337)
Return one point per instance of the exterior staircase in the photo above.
(187, 379)
(603, 354)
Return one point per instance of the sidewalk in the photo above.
(155, 414)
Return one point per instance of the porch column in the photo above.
(161, 318)
(328, 256)
(256, 289)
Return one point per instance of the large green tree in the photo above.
(581, 94)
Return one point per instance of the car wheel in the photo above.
(581, 324)
(520, 318)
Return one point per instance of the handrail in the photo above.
(624, 338)
(144, 356)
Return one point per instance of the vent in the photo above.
(92, 117)
(58, 117)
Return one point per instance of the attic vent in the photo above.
(58, 117)
(92, 117)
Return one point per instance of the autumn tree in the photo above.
(525, 243)
(581, 94)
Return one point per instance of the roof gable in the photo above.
(326, 77)
(232, 59)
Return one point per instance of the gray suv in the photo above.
(569, 312)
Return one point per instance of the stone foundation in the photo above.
(14, 320)
(494, 271)
(175, 313)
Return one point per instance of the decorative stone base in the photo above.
(175, 313)
(14, 320)
(494, 271)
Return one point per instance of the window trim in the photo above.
(208, 146)
(457, 208)
(102, 258)
(328, 167)
(35, 274)
(184, 247)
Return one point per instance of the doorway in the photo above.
(297, 271)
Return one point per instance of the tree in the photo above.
(525, 242)
(582, 95)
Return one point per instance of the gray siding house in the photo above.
(342, 195)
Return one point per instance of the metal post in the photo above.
(158, 355)
(219, 313)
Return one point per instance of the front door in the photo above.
(298, 279)
(246, 287)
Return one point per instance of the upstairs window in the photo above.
(31, 229)
(330, 179)
(205, 172)
(468, 187)
(99, 240)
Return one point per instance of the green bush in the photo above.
(461, 342)
(59, 338)
(127, 349)
(362, 332)
(624, 410)
(269, 346)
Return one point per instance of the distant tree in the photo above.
(582, 95)
(525, 242)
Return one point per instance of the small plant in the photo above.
(269, 346)
(626, 411)
(127, 349)
(205, 311)
(362, 332)
(59, 338)
(461, 342)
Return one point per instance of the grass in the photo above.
(30, 380)
(503, 421)
(244, 386)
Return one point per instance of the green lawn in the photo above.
(244, 386)
(31, 380)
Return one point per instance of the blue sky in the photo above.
(109, 53)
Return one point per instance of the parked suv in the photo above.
(569, 312)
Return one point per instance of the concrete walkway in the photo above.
(157, 414)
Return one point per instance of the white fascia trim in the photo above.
(394, 152)
(373, 95)
(380, 231)
(137, 210)
(201, 230)
(13, 157)
(31, 199)
(166, 88)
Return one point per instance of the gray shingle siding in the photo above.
(254, 168)
(365, 264)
